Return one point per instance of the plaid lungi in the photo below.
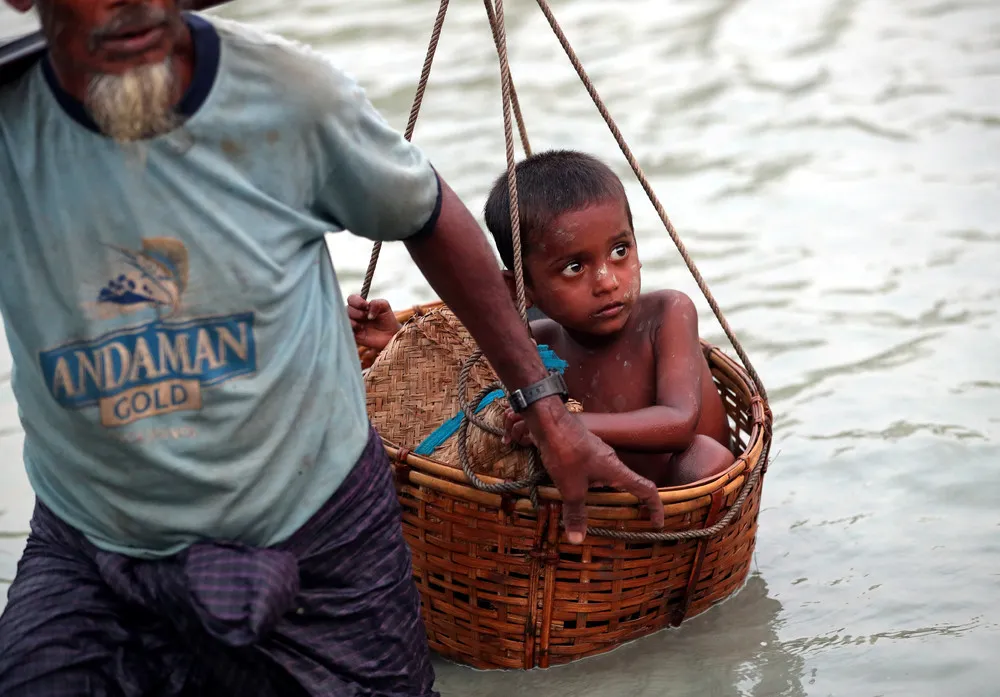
(331, 611)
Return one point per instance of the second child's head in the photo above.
(578, 250)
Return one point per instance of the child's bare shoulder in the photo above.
(668, 306)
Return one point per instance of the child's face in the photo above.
(585, 271)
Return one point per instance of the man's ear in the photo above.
(21, 5)
(508, 277)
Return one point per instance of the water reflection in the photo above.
(733, 650)
(832, 167)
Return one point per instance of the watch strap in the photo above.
(546, 387)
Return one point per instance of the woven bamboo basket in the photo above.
(501, 588)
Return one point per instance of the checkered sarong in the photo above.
(331, 611)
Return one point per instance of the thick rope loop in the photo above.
(469, 416)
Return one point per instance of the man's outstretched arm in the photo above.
(368, 179)
(457, 261)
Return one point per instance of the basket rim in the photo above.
(685, 493)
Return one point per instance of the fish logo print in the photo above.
(162, 365)
(155, 276)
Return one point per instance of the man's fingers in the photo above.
(508, 427)
(357, 301)
(644, 490)
(575, 519)
(520, 433)
(513, 432)
(509, 420)
(356, 314)
(378, 306)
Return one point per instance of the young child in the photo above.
(635, 360)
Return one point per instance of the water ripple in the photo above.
(832, 167)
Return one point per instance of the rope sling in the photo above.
(511, 113)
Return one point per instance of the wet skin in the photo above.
(635, 360)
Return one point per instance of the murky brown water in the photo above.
(834, 167)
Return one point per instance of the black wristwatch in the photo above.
(547, 387)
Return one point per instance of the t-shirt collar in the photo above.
(207, 49)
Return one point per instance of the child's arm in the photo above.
(374, 322)
(669, 425)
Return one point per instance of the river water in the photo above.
(834, 168)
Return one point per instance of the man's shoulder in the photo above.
(247, 36)
(299, 71)
(15, 91)
(21, 114)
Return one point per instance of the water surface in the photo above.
(833, 167)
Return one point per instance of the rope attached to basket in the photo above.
(495, 13)
(702, 285)
(411, 124)
(536, 473)
(418, 100)
(731, 515)
(640, 175)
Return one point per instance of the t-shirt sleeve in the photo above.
(369, 179)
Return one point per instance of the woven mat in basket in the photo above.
(412, 389)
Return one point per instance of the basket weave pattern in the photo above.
(501, 587)
(412, 388)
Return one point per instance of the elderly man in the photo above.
(214, 513)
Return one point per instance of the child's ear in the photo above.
(508, 277)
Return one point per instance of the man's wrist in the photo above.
(545, 412)
(551, 385)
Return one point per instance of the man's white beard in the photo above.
(134, 105)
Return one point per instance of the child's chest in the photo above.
(619, 378)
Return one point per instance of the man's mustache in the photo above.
(131, 19)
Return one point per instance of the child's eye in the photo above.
(620, 251)
(572, 269)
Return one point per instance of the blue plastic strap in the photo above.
(450, 427)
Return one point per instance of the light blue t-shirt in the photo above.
(183, 364)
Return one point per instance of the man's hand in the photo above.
(457, 261)
(516, 430)
(576, 460)
(374, 323)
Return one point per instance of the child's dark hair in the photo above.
(548, 184)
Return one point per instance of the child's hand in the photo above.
(515, 430)
(374, 323)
